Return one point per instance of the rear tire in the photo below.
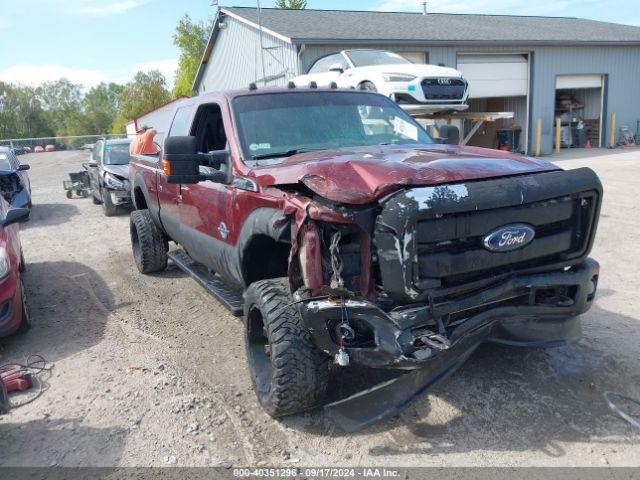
(107, 205)
(289, 373)
(69, 194)
(149, 244)
(25, 322)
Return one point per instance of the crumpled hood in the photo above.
(120, 170)
(364, 174)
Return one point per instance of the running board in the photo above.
(212, 283)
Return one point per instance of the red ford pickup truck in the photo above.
(344, 234)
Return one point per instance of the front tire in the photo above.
(149, 244)
(289, 373)
(107, 205)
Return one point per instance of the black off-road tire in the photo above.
(149, 244)
(25, 322)
(289, 373)
(108, 207)
(69, 195)
(94, 199)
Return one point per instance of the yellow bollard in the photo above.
(538, 137)
(612, 131)
(558, 128)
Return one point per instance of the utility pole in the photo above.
(264, 74)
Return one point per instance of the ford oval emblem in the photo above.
(509, 237)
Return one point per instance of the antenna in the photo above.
(264, 75)
(424, 8)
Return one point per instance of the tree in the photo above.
(101, 106)
(21, 113)
(62, 104)
(291, 4)
(191, 38)
(146, 92)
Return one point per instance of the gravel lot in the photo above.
(150, 370)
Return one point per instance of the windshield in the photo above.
(367, 58)
(274, 126)
(4, 162)
(116, 154)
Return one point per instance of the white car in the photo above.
(427, 88)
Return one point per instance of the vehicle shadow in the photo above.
(508, 399)
(69, 304)
(49, 214)
(61, 442)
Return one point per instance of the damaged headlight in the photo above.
(5, 268)
(114, 182)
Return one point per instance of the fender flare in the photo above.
(138, 182)
(265, 221)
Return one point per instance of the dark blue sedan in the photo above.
(14, 180)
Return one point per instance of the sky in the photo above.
(90, 41)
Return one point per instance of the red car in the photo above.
(50, 148)
(14, 317)
(38, 149)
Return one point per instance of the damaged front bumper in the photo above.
(119, 197)
(524, 310)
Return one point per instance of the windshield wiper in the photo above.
(288, 153)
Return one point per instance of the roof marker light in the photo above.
(291, 85)
(253, 86)
(313, 85)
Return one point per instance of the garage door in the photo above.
(415, 57)
(578, 81)
(495, 75)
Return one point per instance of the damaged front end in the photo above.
(13, 190)
(412, 282)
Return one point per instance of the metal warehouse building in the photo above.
(540, 68)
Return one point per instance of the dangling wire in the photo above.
(336, 261)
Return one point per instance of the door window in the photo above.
(208, 128)
(97, 152)
(180, 125)
(323, 65)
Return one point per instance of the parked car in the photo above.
(38, 149)
(50, 148)
(429, 88)
(108, 169)
(14, 315)
(88, 146)
(357, 244)
(21, 150)
(15, 186)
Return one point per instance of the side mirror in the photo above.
(450, 135)
(23, 167)
(16, 215)
(336, 67)
(181, 161)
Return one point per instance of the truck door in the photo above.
(93, 167)
(206, 207)
(169, 194)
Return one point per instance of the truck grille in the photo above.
(443, 88)
(431, 238)
(450, 248)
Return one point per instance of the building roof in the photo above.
(340, 26)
